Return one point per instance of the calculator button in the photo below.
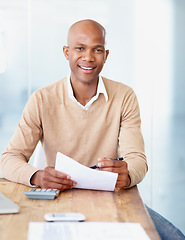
(48, 190)
(57, 193)
(37, 190)
(32, 190)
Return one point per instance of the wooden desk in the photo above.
(98, 206)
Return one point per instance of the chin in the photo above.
(88, 81)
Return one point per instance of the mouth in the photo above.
(87, 68)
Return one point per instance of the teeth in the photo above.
(86, 68)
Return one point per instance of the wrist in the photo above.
(35, 179)
(128, 181)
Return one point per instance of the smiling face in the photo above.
(86, 51)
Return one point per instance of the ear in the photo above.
(106, 55)
(66, 52)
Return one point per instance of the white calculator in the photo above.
(39, 193)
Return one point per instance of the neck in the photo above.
(84, 92)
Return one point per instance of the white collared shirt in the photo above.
(100, 89)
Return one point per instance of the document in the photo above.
(86, 177)
(86, 231)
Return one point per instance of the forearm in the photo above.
(14, 160)
(131, 143)
(16, 169)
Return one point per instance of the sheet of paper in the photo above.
(84, 176)
(86, 231)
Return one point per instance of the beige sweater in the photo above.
(106, 129)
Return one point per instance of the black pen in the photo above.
(115, 159)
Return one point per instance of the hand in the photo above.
(120, 167)
(51, 178)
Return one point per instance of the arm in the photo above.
(131, 143)
(14, 160)
(14, 163)
(132, 170)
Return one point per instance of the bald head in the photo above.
(86, 26)
(86, 52)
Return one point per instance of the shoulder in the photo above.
(118, 88)
(52, 92)
(52, 88)
(121, 95)
(46, 98)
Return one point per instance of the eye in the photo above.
(79, 48)
(98, 50)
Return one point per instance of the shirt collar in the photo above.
(100, 89)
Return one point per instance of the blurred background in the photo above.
(146, 39)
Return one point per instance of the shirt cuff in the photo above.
(31, 185)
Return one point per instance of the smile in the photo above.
(86, 68)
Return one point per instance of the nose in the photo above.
(88, 56)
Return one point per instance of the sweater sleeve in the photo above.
(131, 143)
(14, 160)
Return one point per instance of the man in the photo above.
(86, 117)
(83, 116)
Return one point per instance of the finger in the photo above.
(50, 178)
(111, 163)
(122, 169)
(53, 184)
(123, 181)
(56, 174)
(122, 184)
(59, 186)
(109, 169)
(103, 159)
(58, 177)
(55, 179)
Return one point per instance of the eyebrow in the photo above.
(81, 44)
